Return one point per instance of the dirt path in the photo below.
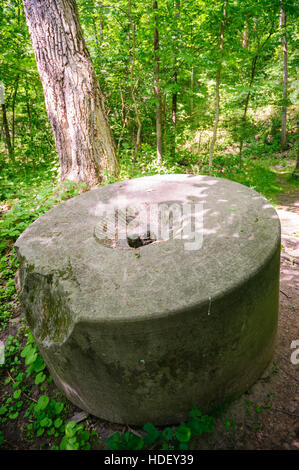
(268, 416)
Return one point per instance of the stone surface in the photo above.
(137, 335)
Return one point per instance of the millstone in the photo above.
(140, 324)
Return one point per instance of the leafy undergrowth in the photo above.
(27, 396)
(257, 173)
(30, 403)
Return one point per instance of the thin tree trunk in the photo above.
(245, 35)
(218, 77)
(101, 31)
(13, 108)
(7, 138)
(73, 97)
(175, 81)
(252, 74)
(125, 118)
(28, 109)
(174, 112)
(285, 82)
(157, 87)
(296, 170)
(192, 87)
(164, 123)
(5, 128)
(137, 117)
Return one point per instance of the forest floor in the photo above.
(266, 417)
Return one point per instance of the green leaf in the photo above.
(58, 407)
(42, 403)
(70, 429)
(38, 364)
(152, 433)
(58, 422)
(183, 433)
(227, 424)
(28, 349)
(135, 442)
(84, 436)
(196, 426)
(40, 378)
(113, 442)
(17, 394)
(46, 422)
(167, 434)
(194, 413)
(30, 358)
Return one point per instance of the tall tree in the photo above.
(175, 79)
(157, 85)
(285, 81)
(72, 93)
(218, 77)
(6, 132)
(137, 117)
(296, 171)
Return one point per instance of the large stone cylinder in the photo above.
(135, 325)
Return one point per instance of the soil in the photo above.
(267, 416)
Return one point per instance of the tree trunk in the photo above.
(73, 97)
(192, 88)
(296, 170)
(137, 117)
(245, 36)
(218, 76)
(252, 74)
(157, 87)
(28, 108)
(7, 138)
(125, 119)
(175, 81)
(13, 108)
(285, 82)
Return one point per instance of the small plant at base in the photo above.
(75, 438)
(45, 416)
(168, 439)
(34, 361)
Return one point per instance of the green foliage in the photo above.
(23, 364)
(167, 439)
(75, 437)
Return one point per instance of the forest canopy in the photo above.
(182, 81)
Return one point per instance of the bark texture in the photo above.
(73, 97)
